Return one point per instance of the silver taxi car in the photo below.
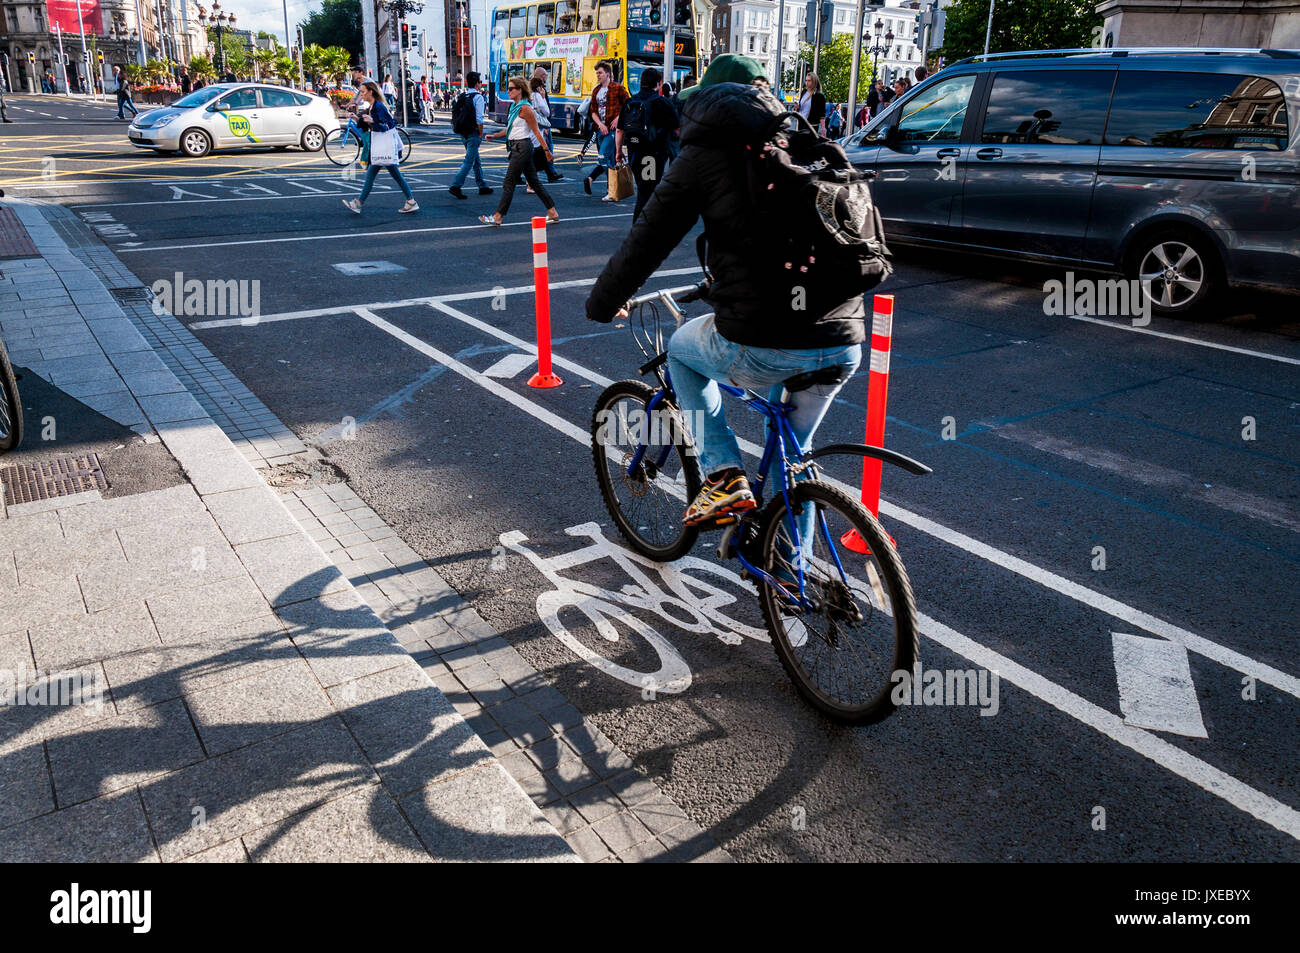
(232, 115)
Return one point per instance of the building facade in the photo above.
(116, 32)
(750, 27)
(1246, 24)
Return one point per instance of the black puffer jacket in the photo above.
(708, 179)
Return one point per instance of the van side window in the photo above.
(936, 114)
(1048, 107)
(1197, 111)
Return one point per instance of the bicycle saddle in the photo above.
(834, 374)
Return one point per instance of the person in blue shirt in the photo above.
(472, 143)
(379, 119)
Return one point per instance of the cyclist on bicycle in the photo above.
(752, 341)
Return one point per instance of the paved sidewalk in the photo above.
(605, 807)
(233, 697)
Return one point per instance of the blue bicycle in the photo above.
(842, 622)
(343, 145)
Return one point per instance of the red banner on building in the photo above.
(63, 13)
(461, 42)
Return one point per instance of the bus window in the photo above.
(518, 20)
(608, 19)
(564, 16)
(557, 78)
(501, 82)
(514, 69)
(501, 25)
(586, 15)
(546, 19)
(531, 28)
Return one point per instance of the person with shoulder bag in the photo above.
(607, 101)
(541, 103)
(522, 135)
(381, 122)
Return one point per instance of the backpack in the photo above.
(634, 119)
(830, 246)
(464, 118)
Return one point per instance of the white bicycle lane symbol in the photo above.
(696, 605)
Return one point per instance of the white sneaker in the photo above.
(352, 205)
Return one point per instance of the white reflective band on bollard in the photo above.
(882, 324)
(539, 259)
(879, 362)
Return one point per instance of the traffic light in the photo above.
(406, 35)
(682, 13)
(101, 57)
(828, 20)
(655, 13)
(810, 21)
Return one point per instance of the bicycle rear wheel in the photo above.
(405, 142)
(647, 504)
(842, 651)
(342, 148)
(11, 408)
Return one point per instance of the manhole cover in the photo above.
(132, 294)
(368, 267)
(62, 476)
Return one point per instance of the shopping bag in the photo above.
(383, 147)
(620, 183)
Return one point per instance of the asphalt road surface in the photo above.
(1100, 491)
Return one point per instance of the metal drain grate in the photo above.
(130, 295)
(62, 476)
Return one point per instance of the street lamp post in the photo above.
(218, 19)
(877, 48)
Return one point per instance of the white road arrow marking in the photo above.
(509, 366)
(1155, 685)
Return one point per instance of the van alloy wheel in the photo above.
(1172, 274)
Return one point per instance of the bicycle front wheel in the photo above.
(858, 624)
(342, 148)
(405, 142)
(11, 408)
(646, 500)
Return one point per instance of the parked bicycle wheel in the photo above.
(11, 408)
(405, 141)
(342, 147)
(842, 650)
(646, 505)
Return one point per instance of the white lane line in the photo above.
(510, 366)
(1155, 685)
(1089, 597)
(416, 186)
(427, 300)
(1186, 340)
(526, 223)
(1172, 758)
(1043, 577)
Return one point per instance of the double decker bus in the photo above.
(569, 37)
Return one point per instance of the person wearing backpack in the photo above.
(776, 201)
(645, 125)
(467, 122)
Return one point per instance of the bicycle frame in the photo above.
(779, 432)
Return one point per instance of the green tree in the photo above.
(834, 68)
(201, 68)
(335, 62)
(286, 68)
(1019, 25)
(336, 23)
(312, 60)
(264, 60)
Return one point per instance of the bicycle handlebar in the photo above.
(684, 295)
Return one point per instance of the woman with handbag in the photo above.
(381, 123)
(542, 107)
(522, 135)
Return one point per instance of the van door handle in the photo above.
(948, 153)
(989, 154)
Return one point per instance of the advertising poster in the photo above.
(63, 13)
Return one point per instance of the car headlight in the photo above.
(162, 122)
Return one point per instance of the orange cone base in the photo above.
(544, 380)
(855, 543)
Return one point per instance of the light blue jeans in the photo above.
(471, 162)
(699, 357)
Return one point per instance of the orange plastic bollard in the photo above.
(542, 293)
(882, 329)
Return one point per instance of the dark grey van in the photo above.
(1180, 168)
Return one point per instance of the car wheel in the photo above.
(1179, 270)
(313, 138)
(195, 143)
